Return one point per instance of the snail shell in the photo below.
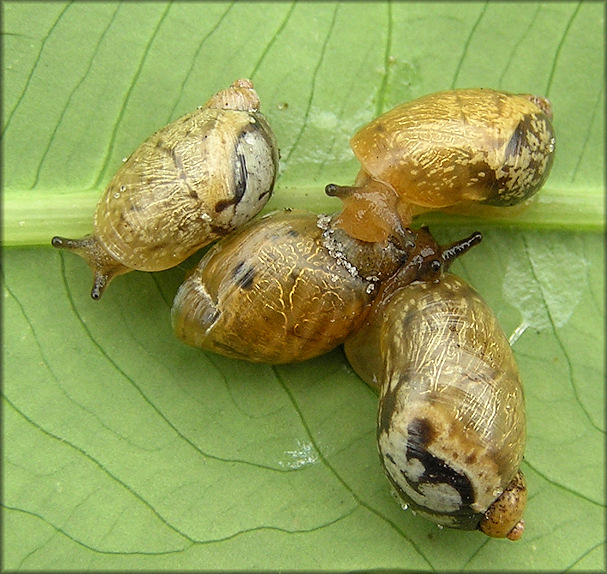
(285, 288)
(191, 182)
(451, 421)
(454, 148)
(291, 286)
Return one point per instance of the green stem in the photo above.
(33, 218)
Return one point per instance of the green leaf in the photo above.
(125, 449)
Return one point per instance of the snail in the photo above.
(451, 420)
(469, 148)
(289, 286)
(190, 183)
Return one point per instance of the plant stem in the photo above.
(32, 218)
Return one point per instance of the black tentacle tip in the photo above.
(475, 238)
(100, 282)
(340, 191)
(331, 190)
(57, 242)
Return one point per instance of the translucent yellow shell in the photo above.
(454, 148)
(458, 146)
(451, 422)
(191, 182)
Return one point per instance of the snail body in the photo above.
(451, 420)
(190, 183)
(288, 287)
(461, 148)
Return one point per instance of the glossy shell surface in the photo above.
(458, 146)
(451, 422)
(283, 289)
(193, 181)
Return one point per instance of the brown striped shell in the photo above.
(190, 183)
(285, 288)
(461, 148)
(291, 286)
(451, 421)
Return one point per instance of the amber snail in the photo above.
(464, 148)
(451, 421)
(288, 287)
(190, 183)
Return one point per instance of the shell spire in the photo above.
(239, 96)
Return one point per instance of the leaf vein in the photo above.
(75, 540)
(381, 93)
(101, 467)
(280, 529)
(69, 99)
(52, 373)
(584, 554)
(275, 36)
(150, 403)
(338, 477)
(560, 343)
(188, 72)
(598, 105)
(127, 97)
(35, 67)
(167, 299)
(563, 487)
(560, 47)
(321, 57)
(511, 59)
(190, 544)
(467, 45)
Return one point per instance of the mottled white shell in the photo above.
(451, 422)
(193, 181)
(188, 184)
